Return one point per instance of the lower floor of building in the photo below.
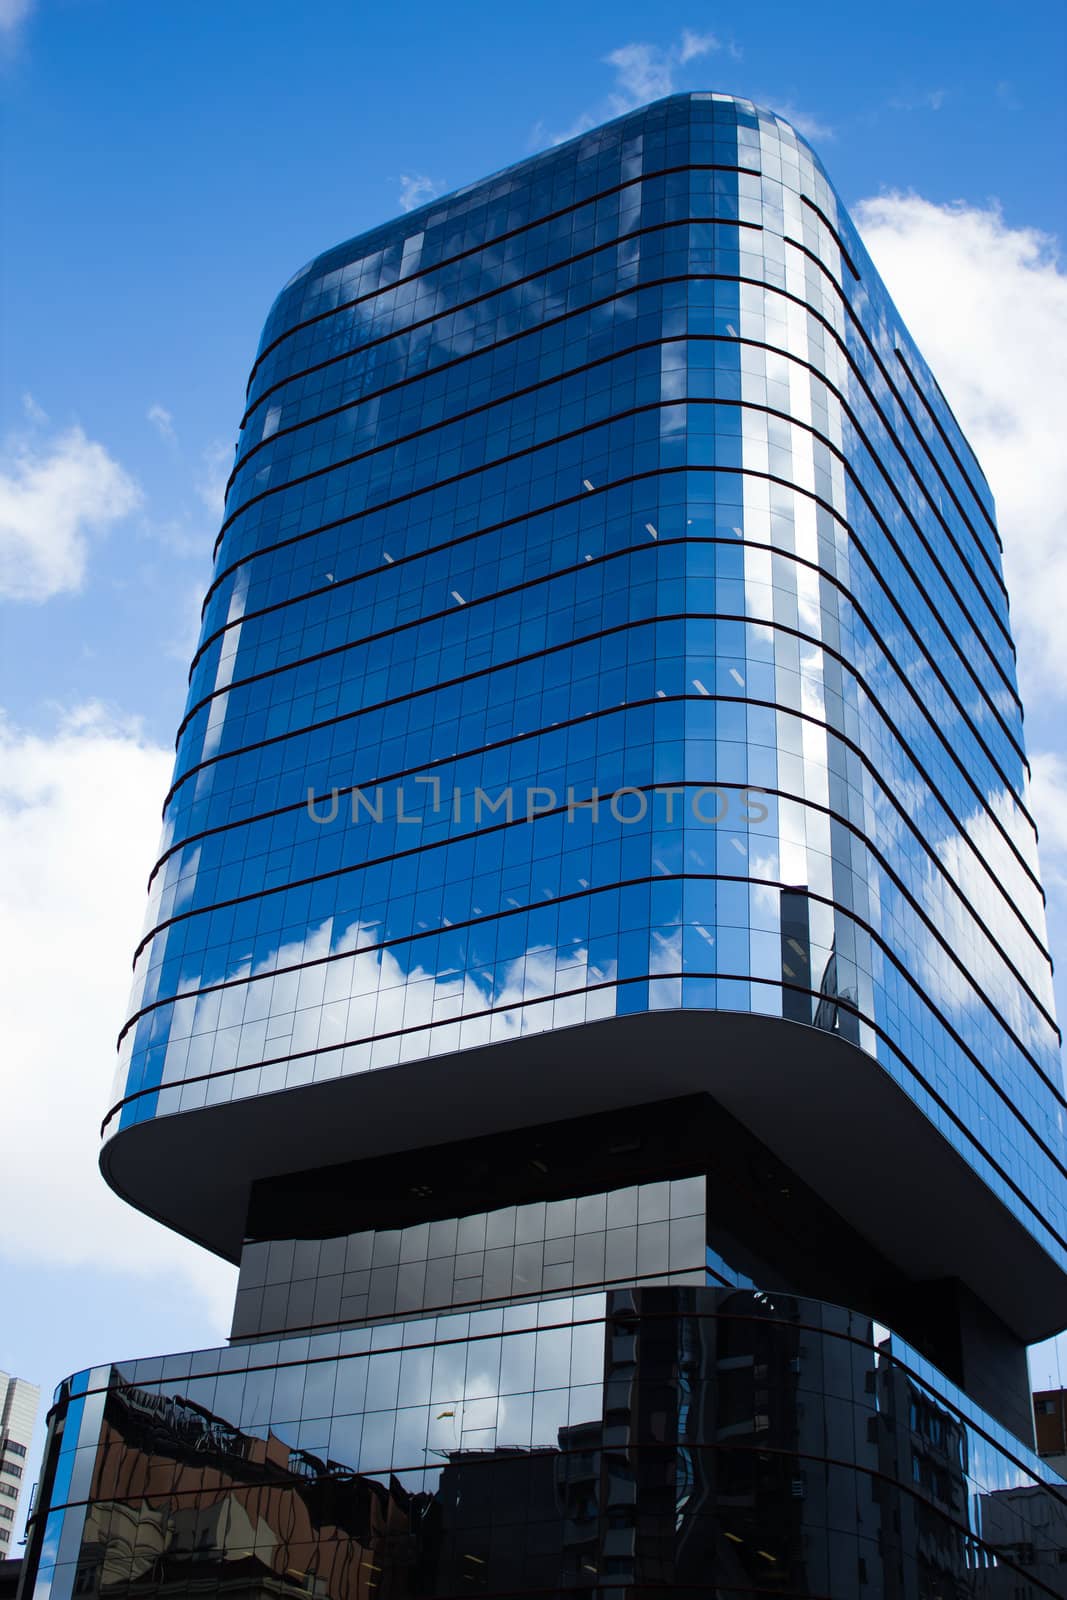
(681, 1439)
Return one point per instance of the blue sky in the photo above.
(166, 170)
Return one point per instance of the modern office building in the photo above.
(595, 978)
(18, 1413)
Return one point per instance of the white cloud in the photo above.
(216, 465)
(370, 996)
(643, 72)
(162, 420)
(12, 13)
(808, 126)
(415, 190)
(987, 305)
(52, 495)
(646, 72)
(541, 138)
(929, 100)
(186, 532)
(693, 45)
(79, 826)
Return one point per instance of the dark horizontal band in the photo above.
(765, 983)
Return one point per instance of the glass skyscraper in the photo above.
(594, 980)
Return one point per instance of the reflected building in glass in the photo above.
(595, 978)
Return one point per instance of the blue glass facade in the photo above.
(783, 574)
(605, 697)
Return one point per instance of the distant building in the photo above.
(1050, 1423)
(18, 1412)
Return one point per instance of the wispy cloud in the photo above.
(54, 493)
(807, 125)
(987, 304)
(416, 189)
(929, 100)
(162, 420)
(187, 535)
(694, 45)
(643, 72)
(185, 531)
(215, 465)
(12, 14)
(185, 623)
(646, 72)
(1048, 796)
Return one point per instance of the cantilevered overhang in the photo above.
(822, 1105)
